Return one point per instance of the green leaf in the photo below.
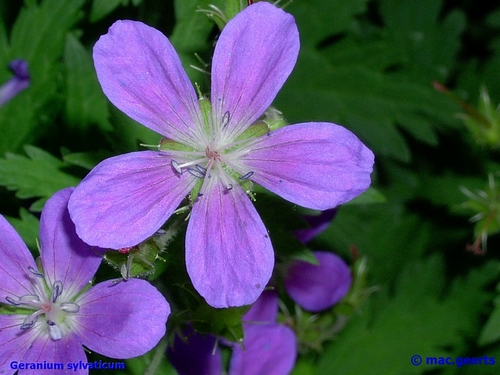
(101, 8)
(38, 175)
(371, 195)
(318, 19)
(369, 103)
(86, 104)
(37, 36)
(191, 33)
(418, 319)
(491, 330)
(28, 227)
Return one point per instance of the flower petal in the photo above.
(318, 287)
(265, 309)
(65, 257)
(315, 165)
(195, 354)
(317, 224)
(269, 349)
(63, 356)
(16, 84)
(142, 75)
(122, 320)
(16, 258)
(13, 342)
(229, 255)
(126, 199)
(254, 56)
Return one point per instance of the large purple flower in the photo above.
(53, 308)
(213, 151)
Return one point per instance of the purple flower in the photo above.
(318, 287)
(213, 151)
(317, 224)
(53, 308)
(16, 84)
(268, 347)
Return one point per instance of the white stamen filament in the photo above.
(47, 303)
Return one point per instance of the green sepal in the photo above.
(273, 119)
(255, 130)
(140, 260)
(6, 309)
(169, 144)
(233, 7)
(224, 323)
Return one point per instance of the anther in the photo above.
(30, 320)
(201, 169)
(11, 301)
(29, 299)
(54, 330)
(57, 289)
(176, 166)
(70, 307)
(196, 173)
(225, 119)
(246, 176)
(35, 272)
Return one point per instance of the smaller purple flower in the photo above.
(52, 310)
(17, 83)
(317, 224)
(268, 347)
(318, 287)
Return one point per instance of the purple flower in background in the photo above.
(213, 151)
(268, 347)
(318, 287)
(317, 224)
(55, 310)
(16, 84)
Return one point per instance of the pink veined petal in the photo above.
(229, 256)
(121, 320)
(269, 349)
(142, 75)
(315, 165)
(318, 287)
(13, 342)
(65, 257)
(126, 199)
(265, 309)
(254, 56)
(15, 260)
(63, 355)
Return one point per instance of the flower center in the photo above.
(46, 301)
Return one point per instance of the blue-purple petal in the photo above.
(15, 260)
(229, 256)
(195, 354)
(317, 224)
(65, 257)
(265, 309)
(126, 199)
(318, 287)
(268, 349)
(315, 165)
(142, 75)
(121, 320)
(19, 82)
(253, 57)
